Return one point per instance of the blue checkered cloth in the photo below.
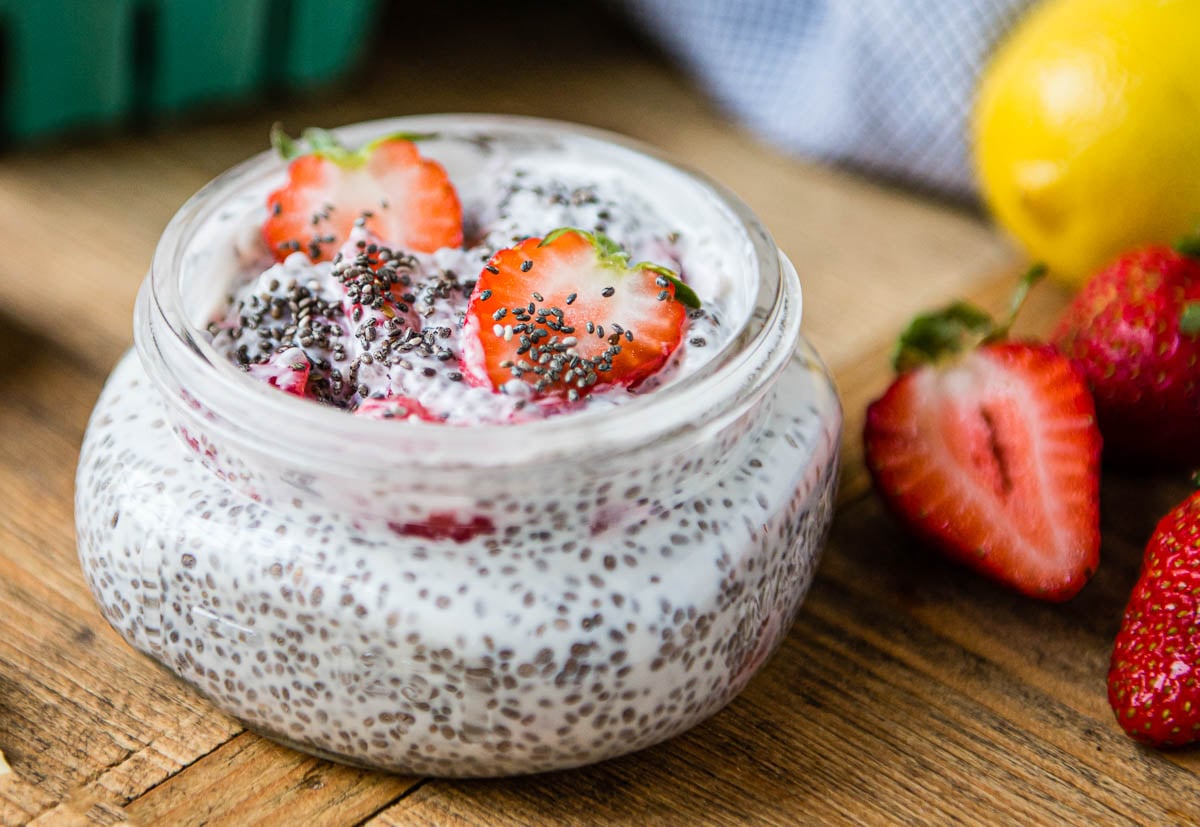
(882, 85)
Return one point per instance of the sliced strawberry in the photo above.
(395, 407)
(989, 451)
(568, 314)
(387, 186)
(445, 525)
(287, 370)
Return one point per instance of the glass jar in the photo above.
(473, 601)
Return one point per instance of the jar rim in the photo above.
(747, 363)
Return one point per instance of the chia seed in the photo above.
(393, 322)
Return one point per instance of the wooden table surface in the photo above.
(907, 691)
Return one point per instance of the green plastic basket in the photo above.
(71, 63)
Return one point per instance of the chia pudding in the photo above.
(488, 580)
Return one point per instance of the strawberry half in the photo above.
(1134, 331)
(568, 314)
(386, 186)
(1154, 675)
(989, 451)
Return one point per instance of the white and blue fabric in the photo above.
(882, 85)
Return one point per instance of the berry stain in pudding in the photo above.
(376, 284)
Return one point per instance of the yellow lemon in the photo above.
(1086, 129)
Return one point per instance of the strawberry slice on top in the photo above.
(385, 186)
(567, 314)
(988, 450)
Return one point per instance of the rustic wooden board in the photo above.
(908, 690)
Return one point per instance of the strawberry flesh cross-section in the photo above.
(988, 450)
(387, 187)
(567, 314)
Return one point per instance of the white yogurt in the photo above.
(508, 195)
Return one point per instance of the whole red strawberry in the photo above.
(1133, 331)
(989, 451)
(1153, 684)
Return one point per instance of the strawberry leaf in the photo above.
(683, 294)
(1189, 319)
(934, 336)
(609, 249)
(613, 254)
(1188, 245)
(610, 252)
(412, 137)
(324, 142)
(283, 143)
(957, 327)
(1032, 276)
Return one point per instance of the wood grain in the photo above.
(228, 786)
(83, 718)
(908, 691)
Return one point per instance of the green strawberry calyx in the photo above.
(1189, 245)
(1189, 319)
(323, 143)
(958, 327)
(612, 254)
